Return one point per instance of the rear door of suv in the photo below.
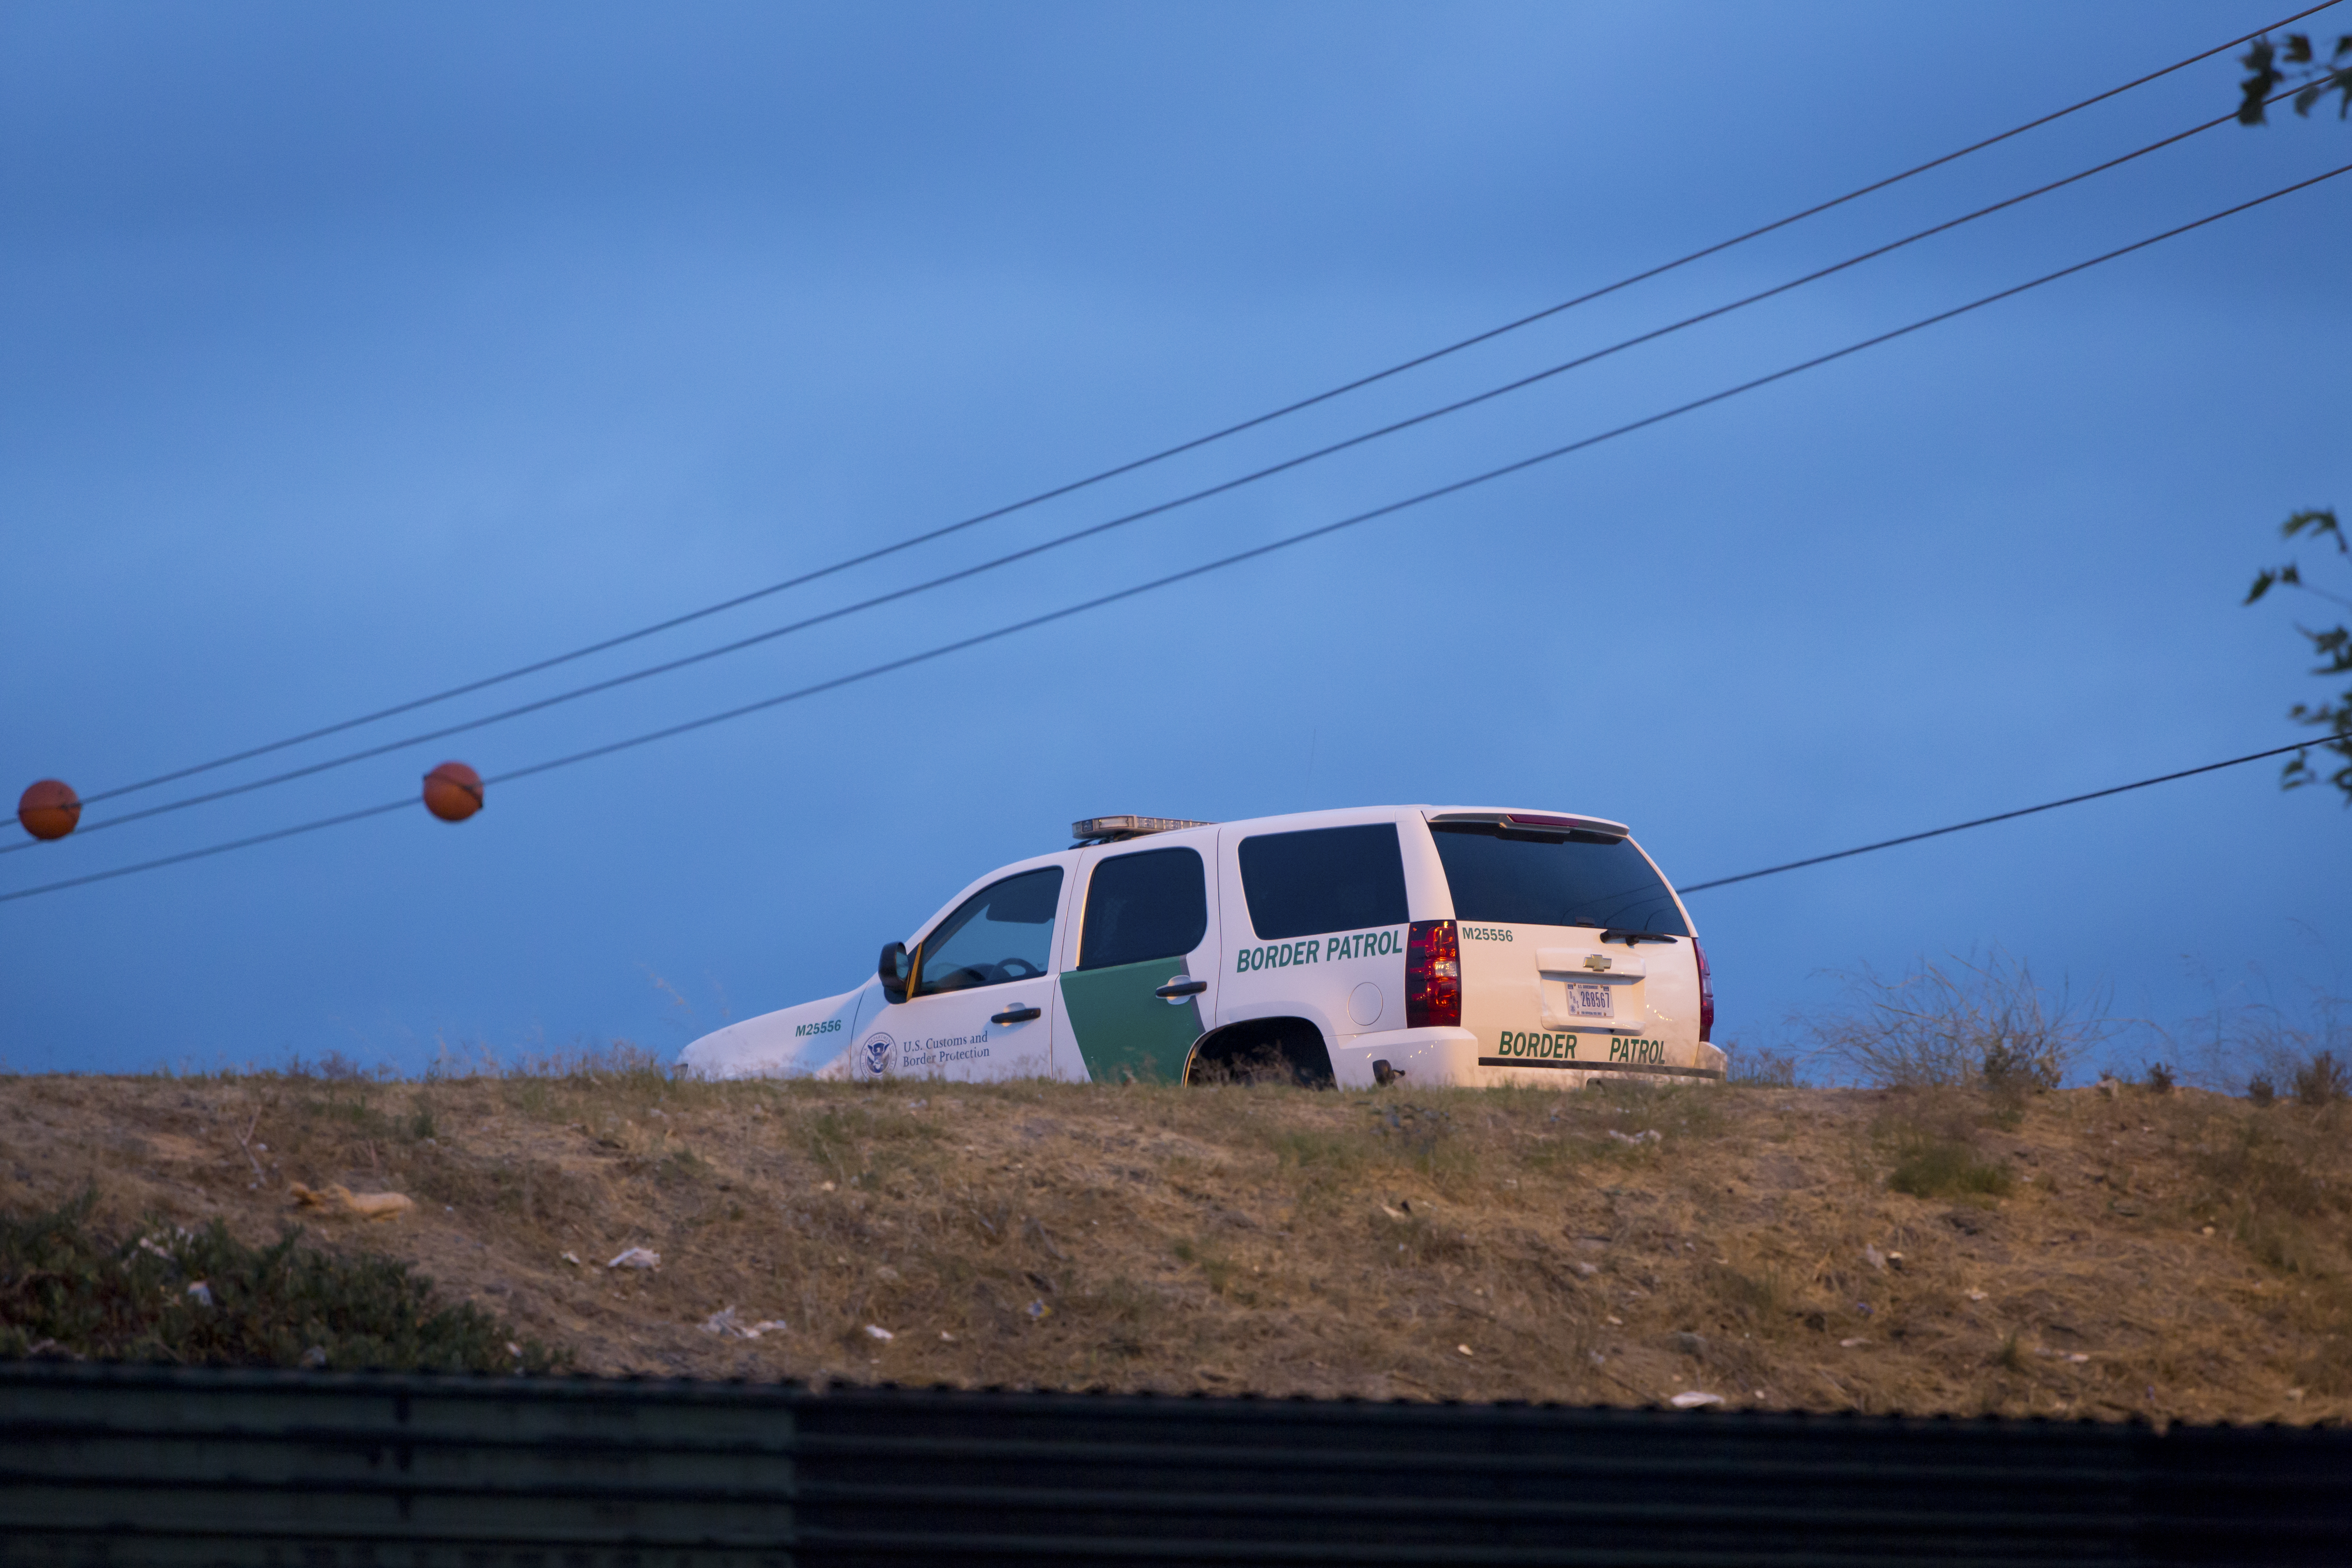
(1575, 955)
(1139, 978)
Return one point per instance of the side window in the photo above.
(1004, 932)
(1323, 879)
(1154, 904)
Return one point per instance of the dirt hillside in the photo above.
(2178, 1256)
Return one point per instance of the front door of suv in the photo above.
(979, 995)
(1141, 985)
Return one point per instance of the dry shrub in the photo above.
(2251, 1039)
(1764, 1298)
(1959, 1021)
(2322, 1081)
(1761, 1069)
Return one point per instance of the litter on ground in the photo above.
(727, 1324)
(338, 1199)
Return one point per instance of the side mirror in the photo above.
(893, 969)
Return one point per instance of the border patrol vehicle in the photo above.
(1442, 945)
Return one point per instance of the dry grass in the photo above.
(1930, 1251)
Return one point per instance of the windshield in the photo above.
(1004, 932)
(1521, 878)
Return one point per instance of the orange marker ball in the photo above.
(453, 791)
(49, 809)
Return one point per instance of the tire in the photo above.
(1279, 1052)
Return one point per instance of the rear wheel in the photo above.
(1283, 1051)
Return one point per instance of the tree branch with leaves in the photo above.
(2268, 65)
(2319, 79)
(2332, 643)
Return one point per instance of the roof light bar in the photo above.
(1112, 829)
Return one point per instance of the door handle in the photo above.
(1016, 1014)
(1176, 990)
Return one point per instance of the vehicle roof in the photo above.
(1338, 816)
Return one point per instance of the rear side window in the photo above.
(1525, 880)
(1153, 904)
(1326, 879)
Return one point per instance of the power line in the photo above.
(1181, 447)
(2001, 817)
(405, 803)
(1158, 509)
(1222, 563)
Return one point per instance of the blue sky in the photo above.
(346, 353)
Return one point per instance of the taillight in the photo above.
(1705, 993)
(1433, 976)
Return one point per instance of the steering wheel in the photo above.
(1018, 969)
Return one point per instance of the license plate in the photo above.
(1587, 999)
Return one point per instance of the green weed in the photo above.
(205, 1298)
(1128, 1317)
(1214, 1266)
(1928, 1167)
(1317, 1153)
(1762, 1299)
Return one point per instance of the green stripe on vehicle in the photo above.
(1122, 1029)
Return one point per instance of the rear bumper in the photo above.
(1426, 1056)
(1431, 1058)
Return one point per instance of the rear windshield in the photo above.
(1520, 878)
(1323, 879)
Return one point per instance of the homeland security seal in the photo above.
(877, 1053)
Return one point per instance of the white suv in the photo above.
(1446, 944)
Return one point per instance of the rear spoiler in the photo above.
(1539, 822)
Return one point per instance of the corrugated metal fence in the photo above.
(105, 1465)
